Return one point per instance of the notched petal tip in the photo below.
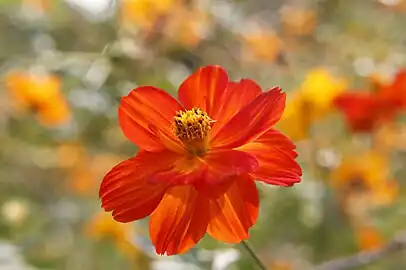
(204, 88)
(234, 212)
(276, 156)
(253, 120)
(125, 190)
(179, 222)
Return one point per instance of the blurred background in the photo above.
(65, 64)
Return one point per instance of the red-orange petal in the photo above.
(209, 170)
(145, 113)
(361, 110)
(204, 89)
(238, 95)
(226, 162)
(276, 156)
(126, 191)
(179, 221)
(252, 121)
(235, 211)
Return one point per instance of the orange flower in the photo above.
(198, 159)
(262, 45)
(368, 237)
(365, 111)
(367, 177)
(144, 14)
(40, 93)
(298, 21)
(187, 25)
(40, 5)
(280, 265)
(84, 170)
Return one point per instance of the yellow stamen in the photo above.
(192, 127)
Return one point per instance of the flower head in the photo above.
(198, 159)
(364, 111)
(368, 237)
(367, 177)
(41, 93)
(261, 45)
(310, 102)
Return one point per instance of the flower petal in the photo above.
(252, 121)
(145, 113)
(228, 162)
(126, 191)
(238, 95)
(359, 109)
(204, 89)
(179, 221)
(276, 156)
(235, 211)
(209, 170)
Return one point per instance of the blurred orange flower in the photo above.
(103, 226)
(143, 14)
(84, 169)
(392, 136)
(368, 238)
(187, 25)
(174, 19)
(40, 5)
(198, 160)
(298, 21)
(366, 174)
(41, 93)
(399, 5)
(364, 111)
(280, 265)
(263, 45)
(310, 102)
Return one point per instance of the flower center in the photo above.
(192, 127)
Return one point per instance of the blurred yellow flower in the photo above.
(298, 21)
(310, 102)
(102, 226)
(263, 45)
(41, 93)
(367, 176)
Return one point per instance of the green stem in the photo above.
(254, 256)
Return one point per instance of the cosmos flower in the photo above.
(40, 94)
(310, 102)
(198, 159)
(364, 181)
(261, 45)
(364, 111)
